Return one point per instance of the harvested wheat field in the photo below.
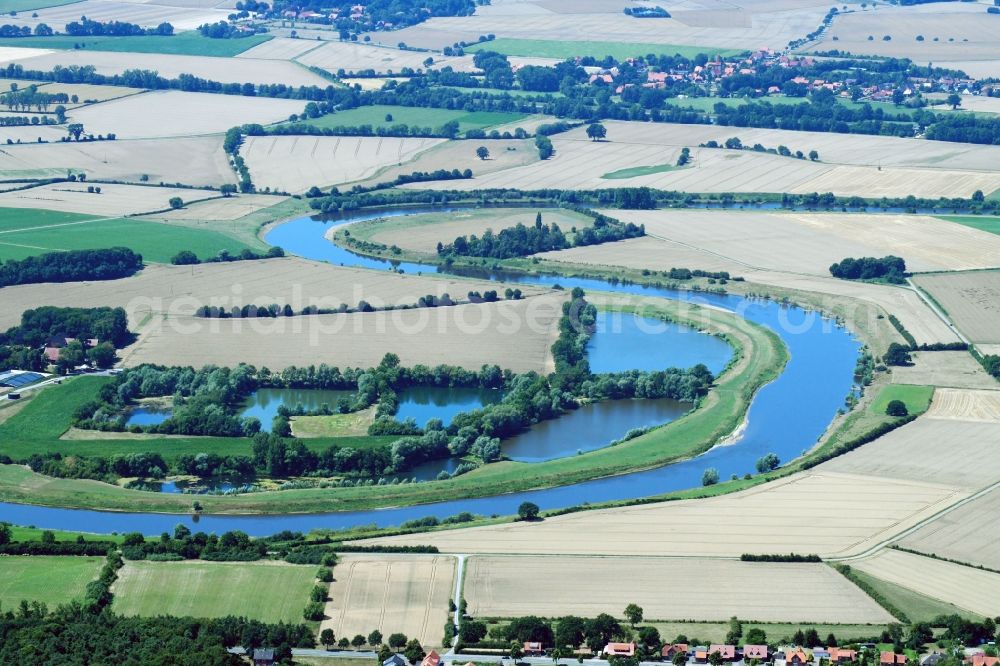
(965, 587)
(958, 405)
(810, 242)
(88, 93)
(849, 165)
(223, 70)
(113, 200)
(970, 533)
(972, 301)
(954, 369)
(356, 57)
(373, 83)
(223, 209)
(392, 593)
(511, 334)
(955, 31)
(296, 163)
(856, 513)
(855, 302)
(280, 48)
(182, 14)
(169, 113)
(422, 233)
(198, 161)
(461, 155)
(180, 290)
(742, 25)
(689, 589)
(9, 54)
(961, 454)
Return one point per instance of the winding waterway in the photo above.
(786, 417)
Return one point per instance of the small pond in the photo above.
(147, 416)
(199, 486)
(625, 341)
(422, 403)
(592, 426)
(264, 403)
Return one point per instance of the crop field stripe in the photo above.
(543, 48)
(183, 43)
(981, 222)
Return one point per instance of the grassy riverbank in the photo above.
(759, 357)
(41, 425)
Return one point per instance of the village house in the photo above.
(396, 660)
(432, 659)
(891, 659)
(668, 652)
(55, 344)
(702, 653)
(619, 649)
(263, 657)
(758, 652)
(727, 652)
(841, 655)
(797, 657)
(983, 660)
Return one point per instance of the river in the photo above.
(786, 417)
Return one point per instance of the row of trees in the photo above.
(187, 257)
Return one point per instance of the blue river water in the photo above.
(786, 417)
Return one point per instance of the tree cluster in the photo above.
(88, 28)
(885, 269)
(40, 324)
(71, 634)
(232, 546)
(187, 257)
(71, 266)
